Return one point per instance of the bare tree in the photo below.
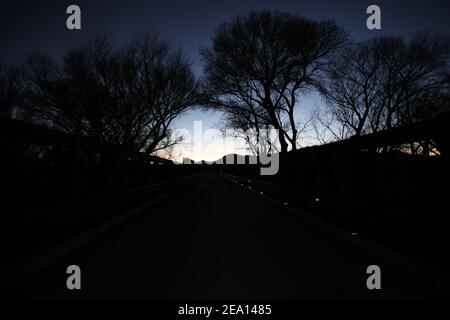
(128, 96)
(72, 96)
(353, 88)
(260, 62)
(386, 82)
(417, 74)
(167, 86)
(9, 92)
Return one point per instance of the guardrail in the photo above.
(416, 266)
(287, 196)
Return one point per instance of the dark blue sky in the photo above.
(40, 26)
(27, 26)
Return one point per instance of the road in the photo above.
(215, 240)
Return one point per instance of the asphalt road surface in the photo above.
(215, 240)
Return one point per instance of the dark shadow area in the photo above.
(87, 176)
(373, 186)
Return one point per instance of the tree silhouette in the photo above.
(9, 92)
(72, 95)
(260, 62)
(387, 82)
(167, 87)
(128, 96)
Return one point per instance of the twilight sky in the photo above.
(40, 26)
